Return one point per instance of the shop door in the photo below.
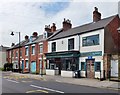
(90, 69)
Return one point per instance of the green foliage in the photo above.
(8, 66)
(1, 69)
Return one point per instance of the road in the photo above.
(28, 85)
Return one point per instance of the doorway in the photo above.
(90, 68)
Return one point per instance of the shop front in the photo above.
(62, 63)
(91, 65)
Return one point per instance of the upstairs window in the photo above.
(70, 44)
(33, 49)
(16, 54)
(41, 48)
(20, 52)
(90, 40)
(26, 51)
(53, 46)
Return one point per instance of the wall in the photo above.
(62, 44)
(112, 37)
(2, 58)
(96, 47)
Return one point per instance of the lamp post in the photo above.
(12, 33)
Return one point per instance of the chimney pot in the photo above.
(47, 28)
(35, 34)
(26, 37)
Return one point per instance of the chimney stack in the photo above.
(26, 37)
(35, 34)
(66, 24)
(47, 28)
(53, 27)
(96, 15)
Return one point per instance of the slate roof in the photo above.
(84, 28)
(22, 43)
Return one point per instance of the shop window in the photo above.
(97, 66)
(83, 66)
(90, 40)
(69, 65)
(53, 46)
(70, 44)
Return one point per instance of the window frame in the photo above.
(26, 51)
(40, 48)
(71, 44)
(86, 39)
(96, 67)
(53, 46)
(33, 50)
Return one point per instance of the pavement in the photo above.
(77, 81)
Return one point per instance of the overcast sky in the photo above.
(28, 16)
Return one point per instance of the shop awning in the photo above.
(66, 54)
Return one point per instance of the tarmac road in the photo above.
(29, 85)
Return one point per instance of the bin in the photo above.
(77, 74)
(56, 71)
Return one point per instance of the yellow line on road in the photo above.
(32, 91)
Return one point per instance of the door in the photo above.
(41, 67)
(90, 69)
(22, 64)
(114, 68)
(33, 66)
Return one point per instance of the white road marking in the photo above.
(12, 81)
(58, 81)
(47, 89)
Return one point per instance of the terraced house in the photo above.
(87, 48)
(32, 52)
(90, 48)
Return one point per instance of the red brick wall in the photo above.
(112, 37)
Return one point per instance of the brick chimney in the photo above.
(47, 28)
(35, 34)
(53, 27)
(66, 24)
(26, 37)
(96, 15)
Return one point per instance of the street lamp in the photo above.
(12, 33)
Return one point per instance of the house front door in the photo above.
(90, 69)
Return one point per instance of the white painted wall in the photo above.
(82, 73)
(67, 73)
(96, 47)
(62, 44)
(2, 59)
(114, 68)
(50, 72)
